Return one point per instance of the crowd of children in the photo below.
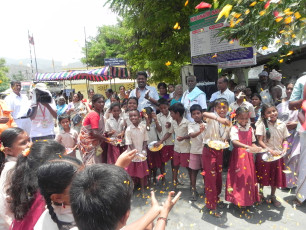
(141, 143)
(187, 144)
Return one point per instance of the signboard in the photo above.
(114, 61)
(207, 48)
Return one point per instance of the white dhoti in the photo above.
(24, 124)
(301, 184)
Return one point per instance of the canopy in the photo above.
(100, 74)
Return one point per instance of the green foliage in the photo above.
(263, 22)
(109, 43)
(5, 81)
(149, 39)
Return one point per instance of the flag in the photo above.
(31, 40)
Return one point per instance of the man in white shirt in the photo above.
(223, 92)
(146, 95)
(193, 96)
(42, 115)
(19, 105)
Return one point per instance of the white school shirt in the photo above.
(6, 216)
(196, 142)
(43, 123)
(45, 221)
(278, 131)
(180, 130)
(162, 120)
(200, 100)
(142, 102)
(136, 136)
(227, 94)
(234, 136)
(113, 124)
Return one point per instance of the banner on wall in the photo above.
(208, 49)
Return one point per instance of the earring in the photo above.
(63, 205)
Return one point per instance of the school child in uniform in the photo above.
(195, 131)
(271, 134)
(217, 129)
(68, 137)
(136, 137)
(154, 158)
(114, 129)
(163, 125)
(132, 104)
(179, 127)
(241, 184)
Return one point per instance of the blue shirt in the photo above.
(298, 89)
(142, 102)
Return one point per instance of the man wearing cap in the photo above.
(43, 113)
(19, 105)
(278, 90)
(263, 82)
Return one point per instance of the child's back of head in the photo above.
(54, 177)
(100, 197)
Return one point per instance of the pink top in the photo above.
(67, 139)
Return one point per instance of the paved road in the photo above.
(189, 215)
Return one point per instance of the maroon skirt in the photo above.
(154, 159)
(241, 183)
(138, 169)
(167, 153)
(113, 152)
(104, 146)
(270, 173)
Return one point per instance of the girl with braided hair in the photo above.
(54, 179)
(26, 203)
(272, 135)
(241, 183)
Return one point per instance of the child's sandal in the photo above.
(275, 202)
(297, 203)
(215, 213)
(221, 204)
(194, 195)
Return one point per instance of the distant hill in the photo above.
(44, 66)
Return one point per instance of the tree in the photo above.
(109, 43)
(266, 22)
(152, 42)
(4, 80)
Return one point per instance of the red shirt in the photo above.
(92, 119)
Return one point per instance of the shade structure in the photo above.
(99, 74)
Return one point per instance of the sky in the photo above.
(57, 27)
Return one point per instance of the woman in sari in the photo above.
(92, 133)
(77, 111)
(290, 117)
